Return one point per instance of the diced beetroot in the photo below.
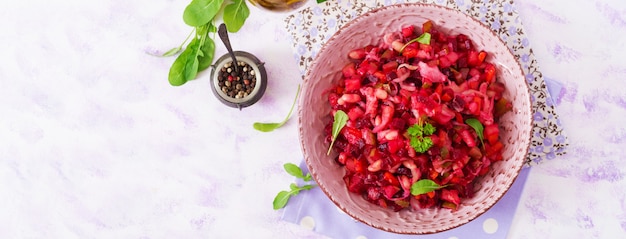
(355, 113)
(390, 66)
(349, 70)
(492, 133)
(354, 182)
(409, 52)
(390, 190)
(385, 91)
(394, 145)
(366, 67)
(352, 84)
(342, 157)
(373, 193)
(380, 76)
(352, 135)
(356, 165)
(490, 72)
(390, 179)
(408, 31)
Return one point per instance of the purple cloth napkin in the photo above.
(312, 209)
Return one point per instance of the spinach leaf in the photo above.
(235, 15)
(207, 50)
(200, 12)
(181, 69)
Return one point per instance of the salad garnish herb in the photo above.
(423, 39)
(341, 118)
(267, 127)
(418, 136)
(199, 52)
(281, 199)
(425, 186)
(478, 127)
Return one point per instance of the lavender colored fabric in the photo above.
(312, 209)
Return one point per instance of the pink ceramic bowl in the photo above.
(515, 131)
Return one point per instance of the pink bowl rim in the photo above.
(306, 78)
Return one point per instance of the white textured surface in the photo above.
(94, 143)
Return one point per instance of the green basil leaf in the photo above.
(281, 199)
(293, 170)
(235, 15)
(424, 186)
(341, 118)
(200, 12)
(478, 127)
(321, 1)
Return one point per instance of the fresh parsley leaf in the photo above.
(341, 118)
(424, 186)
(418, 136)
(421, 144)
(415, 130)
(429, 129)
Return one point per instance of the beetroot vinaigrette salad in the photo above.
(420, 117)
